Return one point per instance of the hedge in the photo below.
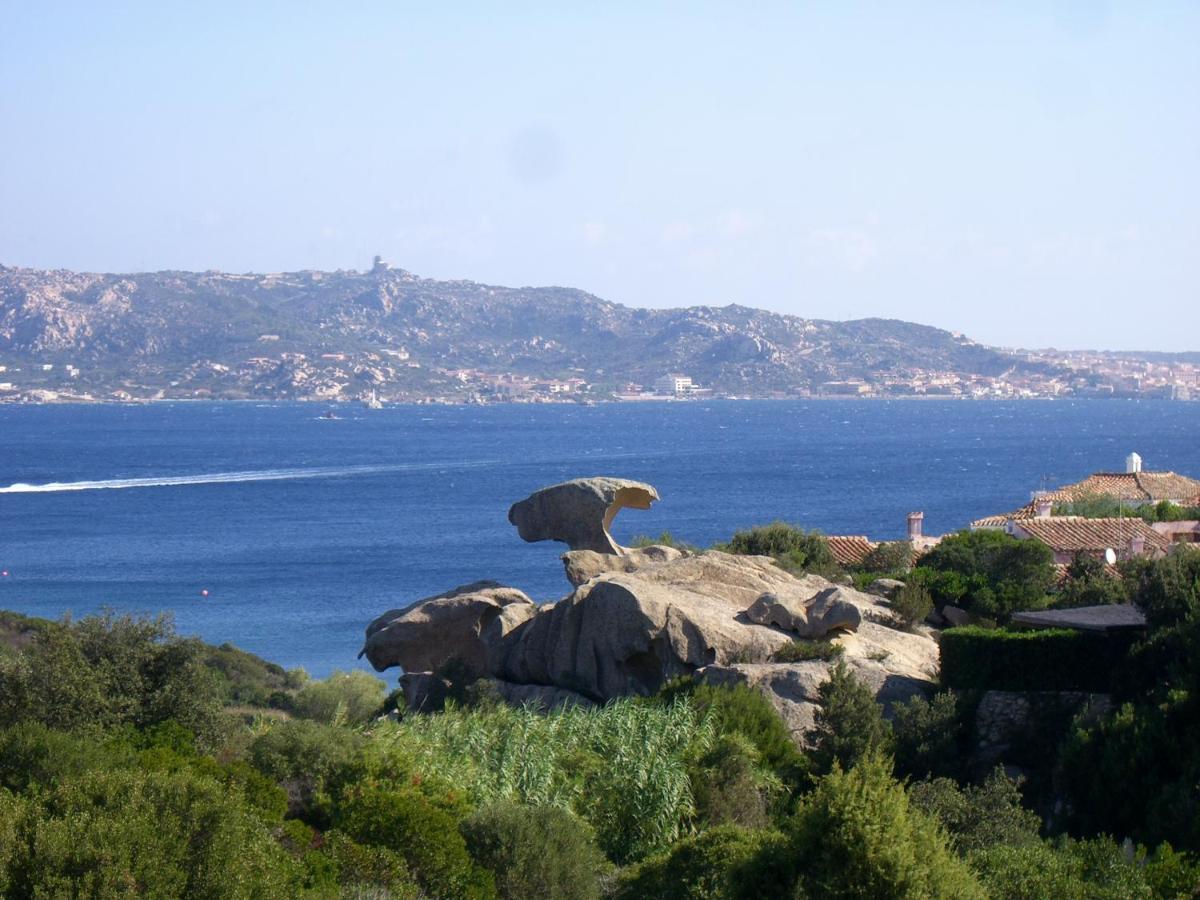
(1056, 659)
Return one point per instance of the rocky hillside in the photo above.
(171, 328)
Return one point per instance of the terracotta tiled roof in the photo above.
(850, 549)
(1069, 534)
(1133, 487)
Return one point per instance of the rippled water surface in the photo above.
(303, 529)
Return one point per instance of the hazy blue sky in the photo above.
(1028, 173)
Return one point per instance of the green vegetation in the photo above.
(666, 539)
(807, 648)
(912, 603)
(793, 548)
(988, 573)
(1043, 660)
(1105, 506)
(134, 762)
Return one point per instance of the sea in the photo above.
(286, 533)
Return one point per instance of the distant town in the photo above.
(384, 376)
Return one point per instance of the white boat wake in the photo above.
(215, 478)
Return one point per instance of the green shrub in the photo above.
(247, 680)
(805, 649)
(717, 864)
(857, 835)
(988, 573)
(912, 603)
(32, 754)
(977, 817)
(344, 698)
(930, 736)
(888, 558)
(793, 548)
(730, 785)
(108, 671)
(849, 724)
(109, 833)
(407, 822)
(536, 851)
(1089, 584)
(364, 870)
(666, 539)
(312, 763)
(1043, 660)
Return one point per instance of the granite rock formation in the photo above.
(579, 512)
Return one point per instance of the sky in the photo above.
(1027, 173)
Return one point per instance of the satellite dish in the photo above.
(1110, 556)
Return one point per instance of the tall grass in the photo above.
(623, 767)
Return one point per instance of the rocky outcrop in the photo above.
(584, 565)
(579, 512)
(459, 624)
(895, 666)
(637, 618)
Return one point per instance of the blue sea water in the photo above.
(302, 530)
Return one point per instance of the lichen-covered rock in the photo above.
(579, 512)
(885, 587)
(429, 633)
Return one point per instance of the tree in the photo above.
(849, 724)
(857, 835)
(929, 736)
(1089, 584)
(988, 572)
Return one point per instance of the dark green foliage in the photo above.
(977, 817)
(1168, 589)
(743, 710)
(406, 821)
(1088, 584)
(1137, 773)
(931, 737)
(793, 548)
(114, 833)
(888, 558)
(106, 671)
(988, 573)
(912, 603)
(849, 724)
(536, 851)
(32, 754)
(857, 835)
(806, 649)
(666, 539)
(1041, 660)
(312, 763)
(720, 863)
(729, 785)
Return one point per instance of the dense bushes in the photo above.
(344, 698)
(722, 862)
(793, 548)
(536, 851)
(1044, 660)
(988, 573)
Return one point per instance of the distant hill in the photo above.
(157, 328)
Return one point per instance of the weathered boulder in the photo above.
(895, 665)
(584, 565)
(627, 633)
(797, 609)
(579, 512)
(429, 633)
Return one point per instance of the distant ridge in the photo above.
(198, 329)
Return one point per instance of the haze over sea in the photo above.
(302, 530)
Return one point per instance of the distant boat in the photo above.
(330, 414)
(373, 402)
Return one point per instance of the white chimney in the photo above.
(1042, 507)
(914, 525)
(1137, 545)
(1133, 463)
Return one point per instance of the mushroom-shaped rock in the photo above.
(459, 624)
(579, 512)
